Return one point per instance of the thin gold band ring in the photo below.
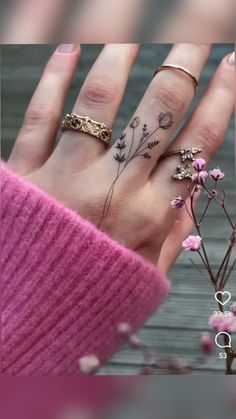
(179, 68)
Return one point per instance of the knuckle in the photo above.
(209, 137)
(226, 83)
(99, 92)
(34, 117)
(171, 97)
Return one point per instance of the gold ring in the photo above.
(88, 126)
(186, 154)
(179, 68)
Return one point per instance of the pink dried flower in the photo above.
(178, 366)
(147, 370)
(199, 164)
(177, 202)
(233, 309)
(124, 330)
(200, 177)
(135, 342)
(192, 243)
(223, 324)
(89, 364)
(207, 344)
(217, 174)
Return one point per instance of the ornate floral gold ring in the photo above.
(86, 125)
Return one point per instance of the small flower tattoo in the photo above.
(166, 120)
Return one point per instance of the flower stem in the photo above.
(197, 226)
(205, 211)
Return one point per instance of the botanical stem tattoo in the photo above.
(127, 152)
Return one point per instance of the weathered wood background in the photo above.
(175, 329)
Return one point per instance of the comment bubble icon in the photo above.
(225, 345)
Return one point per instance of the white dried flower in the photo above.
(89, 364)
(124, 329)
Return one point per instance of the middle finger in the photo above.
(159, 112)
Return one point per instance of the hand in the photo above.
(97, 21)
(129, 199)
(92, 21)
(198, 20)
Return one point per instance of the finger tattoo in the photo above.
(126, 153)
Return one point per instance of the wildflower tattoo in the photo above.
(127, 151)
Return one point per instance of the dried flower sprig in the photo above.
(220, 278)
(153, 363)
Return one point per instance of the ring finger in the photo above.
(205, 129)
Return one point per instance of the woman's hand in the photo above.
(199, 20)
(124, 190)
(97, 21)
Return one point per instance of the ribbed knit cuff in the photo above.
(66, 285)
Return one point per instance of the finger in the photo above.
(32, 22)
(86, 26)
(198, 20)
(36, 138)
(172, 246)
(161, 109)
(99, 99)
(205, 129)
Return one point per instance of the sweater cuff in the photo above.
(66, 285)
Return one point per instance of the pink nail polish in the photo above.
(67, 48)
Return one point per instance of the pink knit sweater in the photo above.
(65, 284)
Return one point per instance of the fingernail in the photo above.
(231, 59)
(67, 48)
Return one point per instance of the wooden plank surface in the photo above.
(174, 330)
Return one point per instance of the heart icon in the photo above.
(226, 296)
